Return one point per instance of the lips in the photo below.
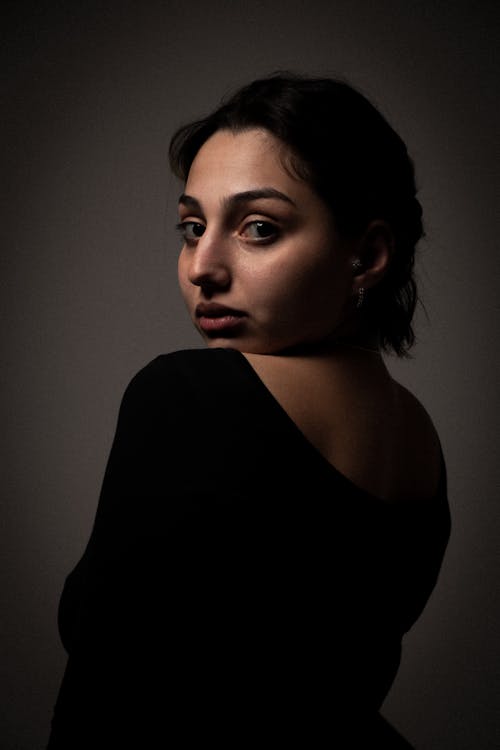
(214, 318)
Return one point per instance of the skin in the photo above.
(291, 276)
(261, 243)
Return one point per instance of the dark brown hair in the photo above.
(355, 161)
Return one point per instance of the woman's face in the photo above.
(262, 268)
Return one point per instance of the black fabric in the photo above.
(236, 588)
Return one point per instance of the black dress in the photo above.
(236, 588)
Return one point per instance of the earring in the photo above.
(356, 265)
(361, 296)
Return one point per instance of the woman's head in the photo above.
(330, 137)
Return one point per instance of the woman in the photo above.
(273, 515)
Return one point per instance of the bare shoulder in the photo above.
(414, 412)
(419, 446)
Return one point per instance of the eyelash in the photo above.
(267, 239)
(183, 229)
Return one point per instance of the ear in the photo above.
(374, 252)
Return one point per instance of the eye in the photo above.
(260, 231)
(190, 230)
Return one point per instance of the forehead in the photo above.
(240, 161)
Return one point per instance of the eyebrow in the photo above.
(244, 197)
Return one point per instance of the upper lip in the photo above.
(214, 310)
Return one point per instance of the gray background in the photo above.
(89, 292)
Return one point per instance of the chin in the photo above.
(250, 345)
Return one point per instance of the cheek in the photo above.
(316, 291)
(185, 287)
(288, 295)
(182, 273)
(306, 282)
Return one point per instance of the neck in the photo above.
(370, 347)
(368, 344)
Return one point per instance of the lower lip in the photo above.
(222, 323)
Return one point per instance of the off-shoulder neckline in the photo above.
(320, 459)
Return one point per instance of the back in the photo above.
(364, 423)
(235, 581)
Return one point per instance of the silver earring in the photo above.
(361, 296)
(357, 265)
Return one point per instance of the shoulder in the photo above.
(180, 366)
(416, 415)
(421, 453)
(187, 376)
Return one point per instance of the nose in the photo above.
(209, 263)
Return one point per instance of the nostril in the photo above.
(209, 286)
(215, 278)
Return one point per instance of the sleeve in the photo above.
(114, 605)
